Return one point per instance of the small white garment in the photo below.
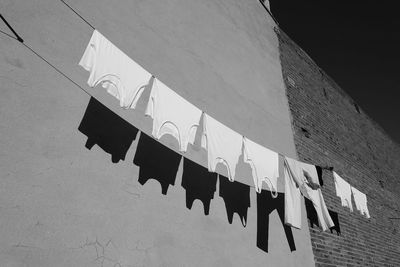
(223, 145)
(343, 190)
(264, 164)
(292, 193)
(173, 115)
(304, 176)
(360, 199)
(115, 71)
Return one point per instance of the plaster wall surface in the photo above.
(64, 205)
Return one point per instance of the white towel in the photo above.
(115, 71)
(172, 115)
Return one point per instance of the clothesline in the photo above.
(86, 21)
(125, 79)
(330, 168)
(55, 68)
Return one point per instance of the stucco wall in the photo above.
(63, 205)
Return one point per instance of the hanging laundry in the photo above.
(343, 190)
(312, 216)
(264, 164)
(172, 115)
(106, 129)
(114, 70)
(360, 199)
(292, 193)
(236, 197)
(199, 183)
(223, 145)
(266, 204)
(303, 177)
(157, 162)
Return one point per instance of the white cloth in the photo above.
(223, 145)
(304, 176)
(292, 193)
(115, 71)
(343, 190)
(264, 164)
(173, 115)
(360, 199)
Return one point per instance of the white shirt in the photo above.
(303, 177)
(343, 190)
(264, 164)
(173, 115)
(223, 145)
(115, 71)
(360, 199)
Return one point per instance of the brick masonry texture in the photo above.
(331, 130)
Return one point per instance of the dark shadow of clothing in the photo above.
(265, 205)
(199, 183)
(312, 217)
(106, 129)
(236, 197)
(335, 218)
(319, 172)
(157, 162)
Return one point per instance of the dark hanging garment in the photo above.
(335, 219)
(319, 172)
(236, 197)
(157, 162)
(265, 205)
(106, 129)
(199, 183)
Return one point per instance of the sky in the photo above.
(357, 43)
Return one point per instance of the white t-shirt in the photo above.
(172, 114)
(114, 70)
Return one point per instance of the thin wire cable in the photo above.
(9, 35)
(47, 62)
(63, 74)
(76, 84)
(56, 69)
(60, 72)
(11, 28)
(73, 10)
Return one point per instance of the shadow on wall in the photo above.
(236, 197)
(265, 205)
(106, 129)
(156, 161)
(199, 184)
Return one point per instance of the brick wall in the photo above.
(331, 130)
